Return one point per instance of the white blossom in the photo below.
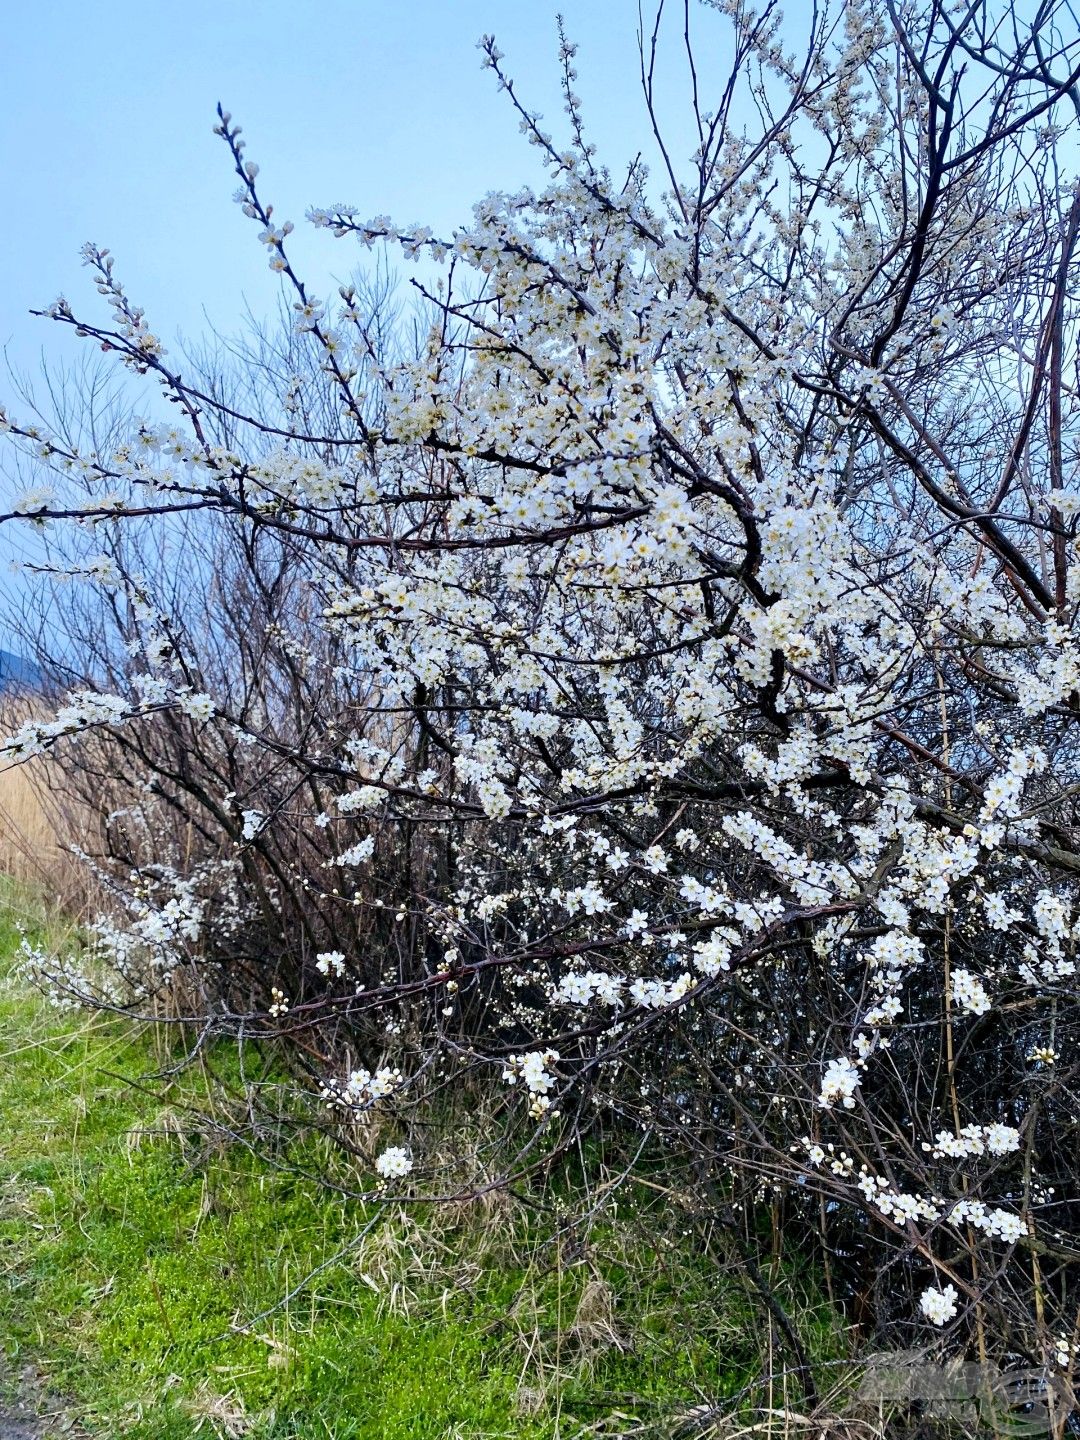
(394, 1163)
(939, 1306)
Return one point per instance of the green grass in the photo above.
(144, 1263)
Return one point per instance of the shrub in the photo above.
(659, 689)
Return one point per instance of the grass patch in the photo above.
(145, 1262)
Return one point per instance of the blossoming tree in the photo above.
(666, 695)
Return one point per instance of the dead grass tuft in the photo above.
(594, 1328)
(400, 1260)
(225, 1415)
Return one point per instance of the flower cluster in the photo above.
(362, 1089)
(996, 1139)
(394, 1163)
(939, 1306)
(535, 1070)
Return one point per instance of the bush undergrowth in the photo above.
(175, 1282)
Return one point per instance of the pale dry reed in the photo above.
(40, 821)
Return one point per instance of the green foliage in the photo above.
(149, 1264)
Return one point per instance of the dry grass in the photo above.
(39, 822)
(32, 846)
(226, 1415)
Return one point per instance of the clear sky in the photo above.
(108, 112)
(106, 135)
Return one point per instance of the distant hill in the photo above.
(17, 673)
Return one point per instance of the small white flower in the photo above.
(969, 992)
(357, 854)
(939, 1306)
(33, 502)
(198, 707)
(330, 962)
(1043, 1055)
(839, 1083)
(394, 1163)
(1002, 1139)
(637, 923)
(655, 860)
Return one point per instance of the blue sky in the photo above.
(106, 135)
(108, 111)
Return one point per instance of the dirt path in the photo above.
(29, 1412)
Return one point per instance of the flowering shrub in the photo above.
(665, 687)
